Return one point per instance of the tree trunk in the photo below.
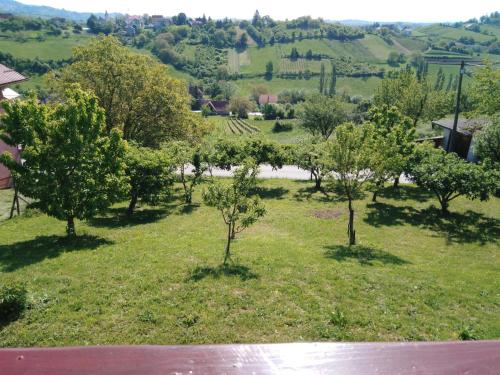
(350, 228)
(132, 204)
(444, 207)
(70, 227)
(15, 204)
(227, 254)
(396, 182)
(317, 183)
(233, 232)
(375, 192)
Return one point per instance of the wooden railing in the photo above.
(479, 357)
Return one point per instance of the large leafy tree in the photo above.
(151, 175)
(393, 142)
(72, 167)
(484, 92)
(448, 176)
(414, 97)
(349, 159)
(137, 93)
(235, 202)
(320, 115)
(488, 143)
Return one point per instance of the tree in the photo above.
(269, 70)
(72, 167)
(322, 78)
(240, 106)
(242, 42)
(413, 97)
(185, 156)
(485, 91)
(310, 155)
(263, 151)
(487, 143)
(258, 90)
(139, 96)
(333, 81)
(392, 145)
(320, 115)
(151, 175)
(349, 158)
(448, 176)
(234, 201)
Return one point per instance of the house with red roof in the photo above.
(268, 99)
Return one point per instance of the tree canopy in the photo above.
(72, 167)
(448, 176)
(320, 115)
(137, 93)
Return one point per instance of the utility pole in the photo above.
(451, 138)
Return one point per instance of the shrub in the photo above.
(282, 127)
(13, 301)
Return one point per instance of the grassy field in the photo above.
(156, 278)
(440, 32)
(53, 48)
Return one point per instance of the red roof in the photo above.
(268, 99)
(8, 76)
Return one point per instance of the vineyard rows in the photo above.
(238, 126)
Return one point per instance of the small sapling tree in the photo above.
(234, 201)
(310, 155)
(349, 158)
(186, 156)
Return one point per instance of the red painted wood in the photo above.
(480, 357)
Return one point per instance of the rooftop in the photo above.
(8, 76)
(465, 126)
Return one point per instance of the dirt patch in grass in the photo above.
(326, 214)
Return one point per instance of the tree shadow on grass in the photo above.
(117, 217)
(270, 193)
(25, 253)
(243, 272)
(310, 192)
(366, 256)
(405, 192)
(468, 227)
(186, 209)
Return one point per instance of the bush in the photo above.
(13, 301)
(282, 127)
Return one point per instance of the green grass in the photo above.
(53, 48)
(440, 32)
(156, 278)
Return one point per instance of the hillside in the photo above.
(15, 7)
(207, 52)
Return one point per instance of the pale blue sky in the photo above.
(379, 10)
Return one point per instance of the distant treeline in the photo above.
(31, 66)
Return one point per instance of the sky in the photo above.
(369, 10)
